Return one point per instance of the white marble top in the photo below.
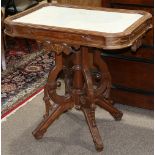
(92, 20)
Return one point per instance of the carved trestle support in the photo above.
(79, 89)
(53, 102)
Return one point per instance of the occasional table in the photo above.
(72, 32)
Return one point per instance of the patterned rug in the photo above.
(26, 73)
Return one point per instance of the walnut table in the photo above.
(72, 32)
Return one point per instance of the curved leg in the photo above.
(51, 80)
(52, 84)
(88, 104)
(67, 74)
(110, 108)
(63, 102)
(90, 117)
(46, 99)
(87, 75)
(105, 82)
(102, 98)
(67, 71)
(56, 112)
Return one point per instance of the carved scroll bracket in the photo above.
(137, 44)
(57, 47)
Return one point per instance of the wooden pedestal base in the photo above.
(82, 90)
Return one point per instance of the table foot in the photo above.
(90, 118)
(38, 135)
(103, 103)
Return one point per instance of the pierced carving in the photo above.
(56, 47)
(51, 46)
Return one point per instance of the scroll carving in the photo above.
(136, 45)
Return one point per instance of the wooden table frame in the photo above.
(72, 47)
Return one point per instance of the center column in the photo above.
(78, 81)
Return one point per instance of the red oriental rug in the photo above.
(26, 74)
